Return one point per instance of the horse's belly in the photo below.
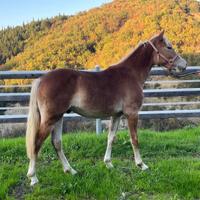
(91, 113)
(94, 106)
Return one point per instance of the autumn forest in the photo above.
(101, 36)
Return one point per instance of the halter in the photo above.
(170, 62)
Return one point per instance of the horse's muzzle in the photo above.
(180, 66)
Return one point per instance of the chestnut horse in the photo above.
(114, 92)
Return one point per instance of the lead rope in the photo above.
(181, 75)
(184, 74)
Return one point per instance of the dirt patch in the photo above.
(18, 191)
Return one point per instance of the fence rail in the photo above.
(24, 97)
(156, 71)
(161, 114)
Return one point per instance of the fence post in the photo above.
(98, 121)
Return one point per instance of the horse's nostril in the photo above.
(182, 68)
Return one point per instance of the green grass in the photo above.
(173, 158)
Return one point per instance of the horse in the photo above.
(113, 92)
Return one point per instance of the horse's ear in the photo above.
(161, 34)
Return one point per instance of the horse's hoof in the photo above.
(34, 180)
(71, 170)
(109, 165)
(142, 166)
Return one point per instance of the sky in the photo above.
(15, 12)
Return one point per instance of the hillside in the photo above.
(104, 35)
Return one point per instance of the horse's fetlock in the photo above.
(139, 164)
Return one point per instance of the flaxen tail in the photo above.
(33, 121)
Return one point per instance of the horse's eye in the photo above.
(168, 47)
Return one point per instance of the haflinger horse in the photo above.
(113, 92)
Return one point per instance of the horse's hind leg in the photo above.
(56, 138)
(114, 123)
(42, 134)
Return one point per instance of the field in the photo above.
(173, 158)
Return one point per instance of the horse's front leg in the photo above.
(114, 123)
(132, 123)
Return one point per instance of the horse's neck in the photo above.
(139, 62)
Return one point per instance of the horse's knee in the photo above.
(135, 143)
(111, 140)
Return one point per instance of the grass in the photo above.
(173, 158)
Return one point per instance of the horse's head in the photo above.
(165, 55)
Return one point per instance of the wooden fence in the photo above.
(24, 97)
